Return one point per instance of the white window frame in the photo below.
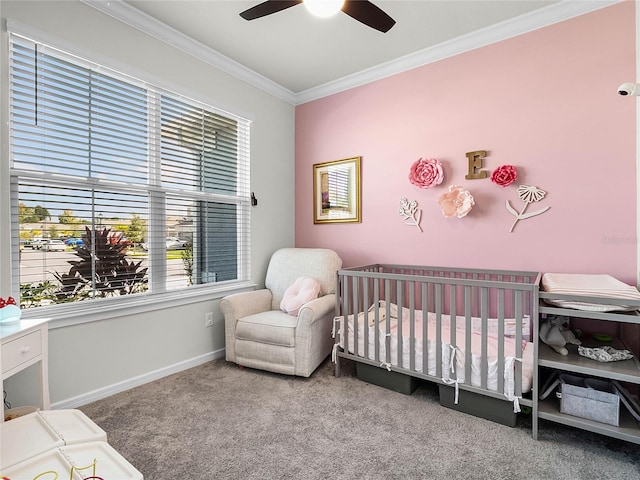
(99, 309)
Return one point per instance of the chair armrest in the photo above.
(240, 305)
(313, 334)
(317, 309)
(237, 306)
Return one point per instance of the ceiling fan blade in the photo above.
(369, 14)
(267, 8)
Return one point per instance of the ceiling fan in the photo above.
(360, 10)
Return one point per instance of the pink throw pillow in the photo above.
(303, 290)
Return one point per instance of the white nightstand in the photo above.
(23, 344)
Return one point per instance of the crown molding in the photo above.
(161, 31)
(555, 13)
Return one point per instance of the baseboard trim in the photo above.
(109, 390)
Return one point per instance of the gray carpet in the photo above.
(218, 421)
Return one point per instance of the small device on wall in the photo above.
(254, 200)
(629, 88)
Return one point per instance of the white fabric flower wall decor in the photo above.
(410, 212)
(528, 194)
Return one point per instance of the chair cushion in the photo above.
(303, 290)
(287, 264)
(273, 327)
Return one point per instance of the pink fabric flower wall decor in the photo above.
(504, 175)
(456, 202)
(426, 173)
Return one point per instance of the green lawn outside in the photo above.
(171, 254)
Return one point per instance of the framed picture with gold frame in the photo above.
(337, 191)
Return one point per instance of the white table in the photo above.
(22, 344)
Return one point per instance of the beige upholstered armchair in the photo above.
(260, 335)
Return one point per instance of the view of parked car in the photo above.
(172, 243)
(175, 243)
(74, 242)
(37, 243)
(53, 245)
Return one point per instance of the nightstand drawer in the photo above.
(21, 350)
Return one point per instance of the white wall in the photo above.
(91, 360)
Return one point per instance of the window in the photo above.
(148, 191)
(338, 179)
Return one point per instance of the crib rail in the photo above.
(491, 303)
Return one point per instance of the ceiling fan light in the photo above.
(323, 8)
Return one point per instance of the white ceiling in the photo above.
(300, 57)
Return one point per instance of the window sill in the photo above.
(60, 316)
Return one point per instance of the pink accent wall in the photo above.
(545, 102)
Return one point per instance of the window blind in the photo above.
(94, 151)
(338, 181)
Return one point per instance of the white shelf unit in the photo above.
(624, 371)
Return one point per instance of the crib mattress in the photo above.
(453, 357)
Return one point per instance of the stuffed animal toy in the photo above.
(555, 333)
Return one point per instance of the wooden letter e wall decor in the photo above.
(475, 164)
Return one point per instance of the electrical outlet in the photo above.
(208, 320)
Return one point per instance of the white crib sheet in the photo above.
(448, 374)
